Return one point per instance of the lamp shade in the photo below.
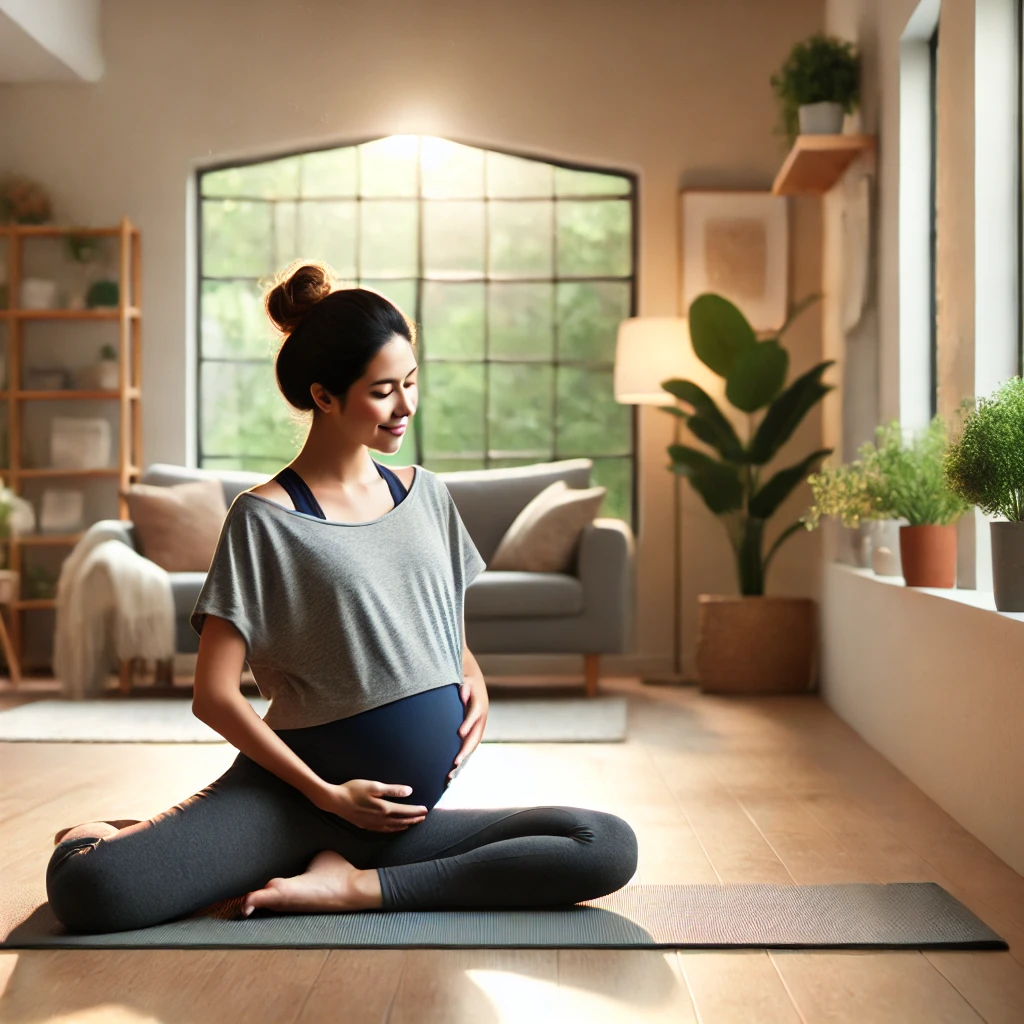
(649, 349)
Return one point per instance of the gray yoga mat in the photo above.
(859, 915)
(170, 720)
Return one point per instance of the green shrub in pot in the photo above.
(985, 467)
(905, 479)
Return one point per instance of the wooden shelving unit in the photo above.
(816, 162)
(128, 395)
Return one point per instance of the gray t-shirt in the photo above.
(337, 617)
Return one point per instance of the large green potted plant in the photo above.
(818, 83)
(985, 467)
(751, 642)
(906, 480)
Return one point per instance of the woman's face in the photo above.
(384, 396)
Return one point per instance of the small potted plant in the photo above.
(816, 86)
(840, 492)
(906, 480)
(985, 466)
(751, 642)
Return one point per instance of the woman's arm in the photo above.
(217, 700)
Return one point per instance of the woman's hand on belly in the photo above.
(361, 802)
(473, 693)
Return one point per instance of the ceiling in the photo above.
(50, 41)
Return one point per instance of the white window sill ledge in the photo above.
(983, 599)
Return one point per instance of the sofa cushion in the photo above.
(496, 594)
(545, 534)
(178, 526)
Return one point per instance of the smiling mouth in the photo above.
(399, 429)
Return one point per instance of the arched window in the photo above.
(517, 272)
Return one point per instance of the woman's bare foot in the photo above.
(94, 828)
(330, 883)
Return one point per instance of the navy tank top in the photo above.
(302, 497)
(412, 741)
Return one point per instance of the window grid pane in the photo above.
(516, 272)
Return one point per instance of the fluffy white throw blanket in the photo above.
(112, 603)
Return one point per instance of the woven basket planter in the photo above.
(756, 645)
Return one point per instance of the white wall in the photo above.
(677, 92)
(931, 682)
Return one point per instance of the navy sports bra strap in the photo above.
(395, 485)
(298, 490)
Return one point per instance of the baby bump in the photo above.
(411, 742)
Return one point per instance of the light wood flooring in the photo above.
(717, 789)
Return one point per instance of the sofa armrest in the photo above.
(606, 570)
(118, 529)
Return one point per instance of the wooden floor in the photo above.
(717, 790)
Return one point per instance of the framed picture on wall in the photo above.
(737, 245)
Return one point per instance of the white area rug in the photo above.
(170, 720)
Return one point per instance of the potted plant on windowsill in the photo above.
(985, 466)
(749, 643)
(906, 480)
(816, 86)
(840, 493)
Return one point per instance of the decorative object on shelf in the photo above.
(23, 201)
(754, 373)
(9, 590)
(17, 516)
(818, 84)
(38, 293)
(103, 294)
(40, 583)
(736, 244)
(905, 479)
(61, 511)
(985, 467)
(84, 251)
(52, 378)
(80, 442)
(104, 374)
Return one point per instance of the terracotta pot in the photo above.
(751, 645)
(928, 555)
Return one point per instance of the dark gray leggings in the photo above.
(249, 826)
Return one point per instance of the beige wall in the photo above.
(676, 91)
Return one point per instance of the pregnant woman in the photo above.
(342, 584)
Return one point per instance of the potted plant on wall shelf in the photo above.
(816, 86)
(985, 467)
(750, 643)
(906, 480)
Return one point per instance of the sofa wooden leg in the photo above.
(164, 672)
(591, 663)
(125, 681)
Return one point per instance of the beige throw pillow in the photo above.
(178, 526)
(543, 537)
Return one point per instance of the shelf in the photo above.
(45, 539)
(57, 231)
(816, 162)
(50, 471)
(130, 312)
(34, 602)
(70, 393)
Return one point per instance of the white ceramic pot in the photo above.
(821, 118)
(38, 293)
(885, 547)
(108, 374)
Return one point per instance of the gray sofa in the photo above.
(588, 610)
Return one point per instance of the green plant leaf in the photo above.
(708, 423)
(719, 332)
(786, 412)
(716, 482)
(767, 500)
(757, 376)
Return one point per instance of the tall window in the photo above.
(516, 271)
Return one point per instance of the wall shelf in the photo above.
(816, 162)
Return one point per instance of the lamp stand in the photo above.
(675, 677)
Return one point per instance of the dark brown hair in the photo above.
(332, 333)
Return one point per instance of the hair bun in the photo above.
(296, 290)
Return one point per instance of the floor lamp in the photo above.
(648, 350)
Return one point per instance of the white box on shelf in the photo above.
(80, 442)
(62, 511)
